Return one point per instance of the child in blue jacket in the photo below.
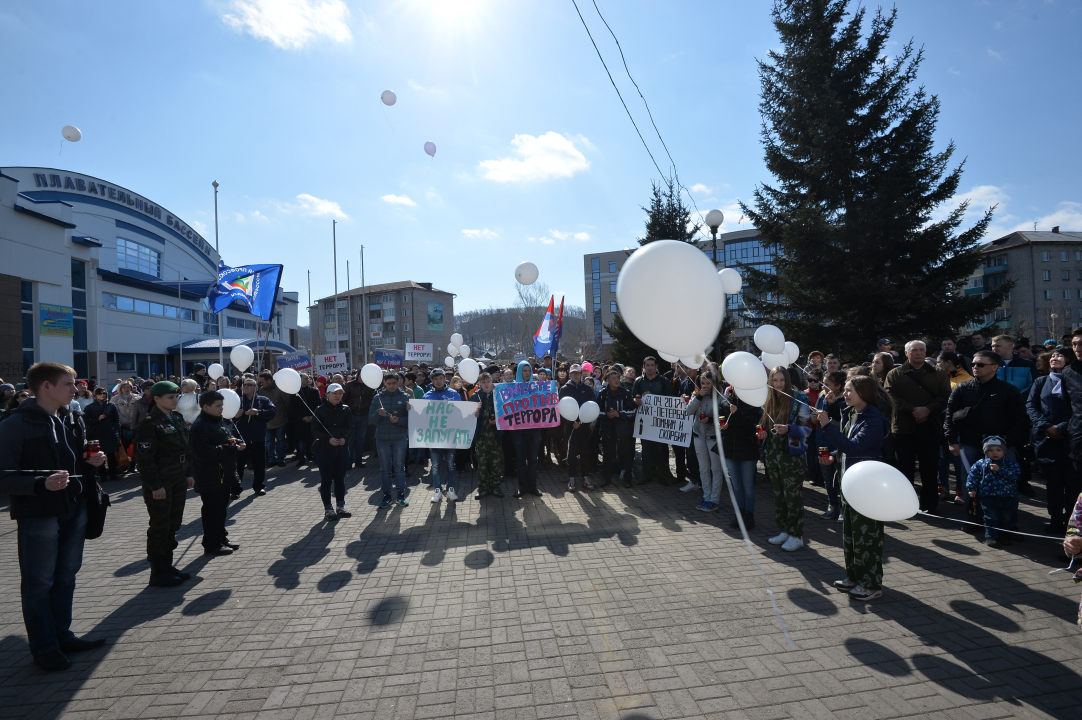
(994, 479)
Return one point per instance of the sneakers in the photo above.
(259, 492)
(437, 495)
(343, 513)
(702, 505)
(571, 486)
(386, 501)
(586, 484)
(402, 500)
(959, 500)
(793, 543)
(862, 593)
(831, 513)
(845, 584)
(779, 538)
(451, 495)
(689, 487)
(944, 492)
(329, 516)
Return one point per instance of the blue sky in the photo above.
(278, 100)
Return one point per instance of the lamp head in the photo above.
(714, 219)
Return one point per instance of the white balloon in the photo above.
(743, 370)
(71, 133)
(879, 491)
(569, 408)
(792, 350)
(372, 375)
(215, 371)
(388, 97)
(730, 281)
(769, 339)
(241, 356)
(288, 381)
(430, 148)
(464, 350)
(456, 340)
(469, 370)
(449, 362)
(230, 403)
(756, 397)
(641, 293)
(452, 350)
(693, 361)
(667, 357)
(772, 361)
(589, 412)
(526, 273)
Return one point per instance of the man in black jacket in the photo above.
(358, 397)
(991, 407)
(655, 455)
(300, 415)
(255, 412)
(1072, 386)
(214, 467)
(576, 434)
(48, 477)
(617, 418)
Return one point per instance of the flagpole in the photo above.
(334, 245)
(221, 352)
(349, 318)
(364, 313)
(180, 330)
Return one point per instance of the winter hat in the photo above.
(993, 441)
(163, 387)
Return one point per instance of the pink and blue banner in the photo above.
(521, 406)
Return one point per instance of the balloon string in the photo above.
(431, 160)
(967, 522)
(61, 147)
(790, 396)
(313, 413)
(740, 520)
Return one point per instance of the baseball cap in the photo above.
(437, 371)
(575, 368)
(883, 341)
(334, 387)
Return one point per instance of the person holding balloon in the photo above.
(783, 427)
(576, 432)
(334, 423)
(865, 429)
(214, 468)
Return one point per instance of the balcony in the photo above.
(975, 291)
(995, 269)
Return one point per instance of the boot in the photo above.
(749, 519)
(161, 575)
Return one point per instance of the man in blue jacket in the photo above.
(251, 422)
(576, 434)
(389, 412)
(443, 459)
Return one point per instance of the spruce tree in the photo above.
(848, 136)
(667, 218)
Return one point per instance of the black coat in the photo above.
(332, 421)
(996, 409)
(1072, 388)
(214, 456)
(738, 438)
(621, 402)
(253, 428)
(107, 431)
(1046, 410)
(29, 441)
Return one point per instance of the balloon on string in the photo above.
(215, 371)
(730, 281)
(743, 370)
(288, 381)
(667, 357)
(430, 148)
(241, 356)
(640, 294)
(372, 375)
(71, 133)
(449, 362)
(756, 396)
(770, 339)
(569, 408)
(469, 370)
(589, 412)
(792, 350)
(452, 350)
(879, 491)
(526, 273)
(772, 361)
(230, 403)
(388, 97)
(693, 361)
(456, 340)
(464, 350)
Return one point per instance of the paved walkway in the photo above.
(612, 604)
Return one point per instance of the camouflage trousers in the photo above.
(489, 468)
(166, 517)
(862, 543)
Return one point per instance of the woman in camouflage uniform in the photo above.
(487, 440)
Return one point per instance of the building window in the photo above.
(388, 313)
(27, 299)
(1067, 314)
(1066, 294)
(1078, 256)
(241, 323)
(612, 306)
(343, 303)
(1047, 274)
(109, 301)
(1066, 275)
(595, 276)
(406, 327)
(135, 256)
(405, 298)
(1047, 294)
(1046, 256)
(406, 311)
(612, 286)
(612, 264)
(375, 314)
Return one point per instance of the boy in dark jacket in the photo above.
(576, 434)
(617, 419)
(214, 467)
(48, 477)
(994, 479)
(251, 421)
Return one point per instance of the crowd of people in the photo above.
(991, 416)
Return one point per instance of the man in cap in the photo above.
(882, 346)
(443, 459)
(162, 457)
(576, 434)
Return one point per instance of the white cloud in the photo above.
(290, 24)
(993, 54)
(549, 156)
(200, 227)
(311, 205)
(700, 189)
(547, 241)
(582, 236)
(732, 212)
(559, 235)
(398, 200)
(483, 233)
(1067, 214)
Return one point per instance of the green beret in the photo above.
(163, 387)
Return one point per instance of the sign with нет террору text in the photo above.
(442, 424)
(525, 405)
(327, 364)
(664, 420)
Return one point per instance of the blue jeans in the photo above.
(333, 462)
(50, 555)
(946, 461)
(357, 439)
(443, 467)
(276, 445)
(392, 463)
(999, 512)
(742, 474)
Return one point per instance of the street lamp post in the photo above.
(714, 219)
(221, 315)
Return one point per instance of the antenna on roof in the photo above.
(1034, 227)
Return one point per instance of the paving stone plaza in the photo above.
(619, 603)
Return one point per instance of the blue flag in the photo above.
(254, 286)
(542, 339)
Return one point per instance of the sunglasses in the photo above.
(980, 364)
